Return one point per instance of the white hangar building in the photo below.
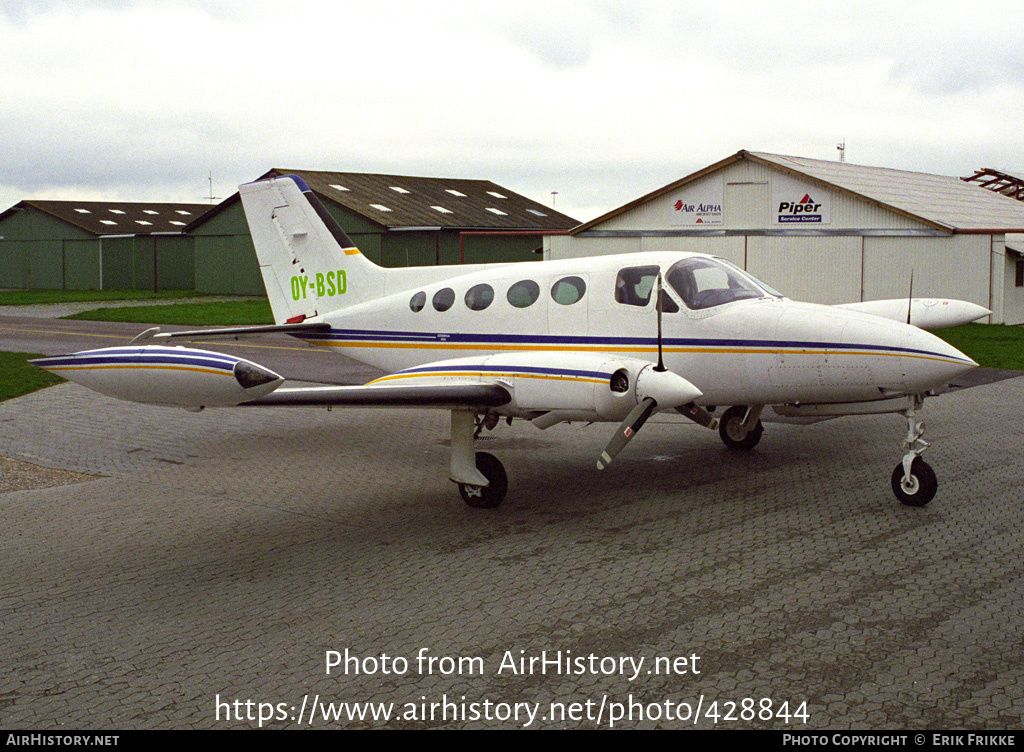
(829, 232)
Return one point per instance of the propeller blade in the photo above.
(910, 297)
(658, 306)
(626, 431)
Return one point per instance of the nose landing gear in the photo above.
(913, 480)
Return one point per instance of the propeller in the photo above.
(657, 305)
(655, 386)
(626, 431)
(910, 297)
(639, 414)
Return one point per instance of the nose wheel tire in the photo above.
(733, 433)
(919, 488)
(489, 496)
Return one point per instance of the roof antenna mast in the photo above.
(842, 150)
(211, 198)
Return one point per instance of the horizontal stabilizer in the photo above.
(235, 332)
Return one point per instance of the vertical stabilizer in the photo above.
(309, 265)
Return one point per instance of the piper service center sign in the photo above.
(794, 202)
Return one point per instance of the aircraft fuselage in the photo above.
(761, 349)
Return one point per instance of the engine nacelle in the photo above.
(564, 386)
(158, 375)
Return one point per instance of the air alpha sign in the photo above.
(698, 206)
(799, 203)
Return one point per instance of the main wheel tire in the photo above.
(490, 496)
(734, 436)
(920, 488)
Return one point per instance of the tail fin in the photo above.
(309, 265)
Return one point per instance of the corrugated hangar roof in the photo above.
(399, 201)
(945, 203)
(118, 217)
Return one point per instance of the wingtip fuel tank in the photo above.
(159, 375)
(924, 313)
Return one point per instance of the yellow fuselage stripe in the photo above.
(150, 367)
(620, 349)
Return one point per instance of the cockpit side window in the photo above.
(633, 285)
(706, 283)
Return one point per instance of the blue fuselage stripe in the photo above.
(342, 336)
(485, 368)
(134, 359)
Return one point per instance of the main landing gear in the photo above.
(480, 476)
(491, 495)
(913, 480)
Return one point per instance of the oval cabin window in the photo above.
(523, 294)
(444, 299)
(478, 297)
(568, 290)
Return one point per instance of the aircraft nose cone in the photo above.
(929, 361)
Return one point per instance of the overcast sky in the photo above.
(599, 100)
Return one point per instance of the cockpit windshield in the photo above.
(707, 282)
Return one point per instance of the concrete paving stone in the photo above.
(223, 552)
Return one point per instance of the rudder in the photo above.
(309, 264)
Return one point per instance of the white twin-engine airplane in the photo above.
(610, 339)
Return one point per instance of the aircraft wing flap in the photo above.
(438, 396)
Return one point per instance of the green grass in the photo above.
(43, 297)
(230, 313)
(17, 377)
(991, 345)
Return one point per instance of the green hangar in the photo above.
(395, 220)
(92, 245)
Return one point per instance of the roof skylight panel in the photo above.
(441, 209)
(341, 188)
(183, 213)
(380, 207)
(398, 189)
(83, 211)
(454, 192)
(495, 194)
(499, 212)
(116, 211)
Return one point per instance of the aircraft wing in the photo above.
(549, 387)
(442, 396)
(191, 378)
